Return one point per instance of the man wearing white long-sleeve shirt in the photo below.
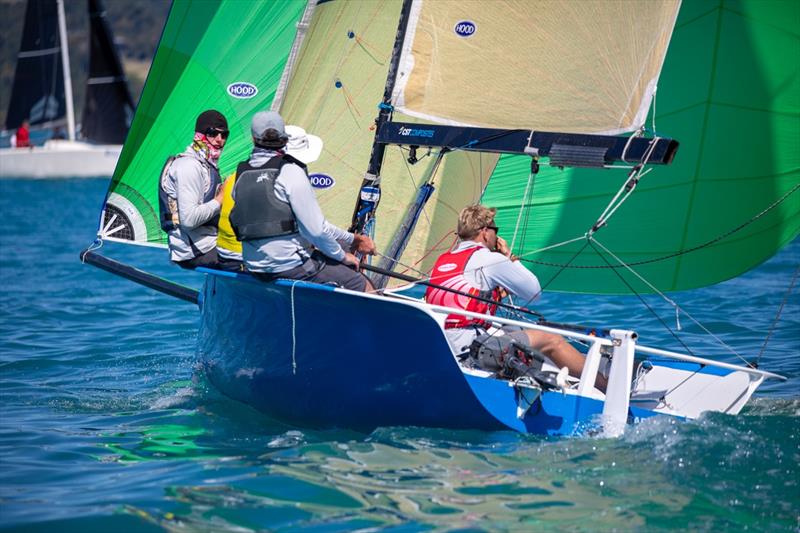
(189, 195)
(481, 265)
(276, 216)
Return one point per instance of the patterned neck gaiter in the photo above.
(204, 148)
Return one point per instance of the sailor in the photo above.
(22, 137)
(301, 146)
(190, 195)
(278, 220)
(481, 264)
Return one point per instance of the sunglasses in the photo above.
(495, 228)
(213, 132)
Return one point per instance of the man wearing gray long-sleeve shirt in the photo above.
(190, 195)
(276, 216)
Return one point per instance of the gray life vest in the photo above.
(168, 205)
(257, 213)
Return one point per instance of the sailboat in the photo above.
(42, 94)
(472, 104)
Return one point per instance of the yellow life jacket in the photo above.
(226, 239)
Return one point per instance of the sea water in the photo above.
(106, 424)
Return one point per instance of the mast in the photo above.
(369, 197)
(62, 34)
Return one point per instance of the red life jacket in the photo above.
(449, 272)
(23, 137)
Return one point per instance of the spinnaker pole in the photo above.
(141, 277)
(369, 195)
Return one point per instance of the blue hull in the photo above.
(314, 357)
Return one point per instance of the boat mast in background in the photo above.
(62, 35)
(42, 94)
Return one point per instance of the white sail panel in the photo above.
(585, 66)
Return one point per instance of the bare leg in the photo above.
(562, 354)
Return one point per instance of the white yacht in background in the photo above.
(42, 94)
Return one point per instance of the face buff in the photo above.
(204, 148)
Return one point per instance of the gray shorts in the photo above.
(323, 270)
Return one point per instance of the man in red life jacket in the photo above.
(23, 135)
(481, 265)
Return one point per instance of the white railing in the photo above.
(601, 341)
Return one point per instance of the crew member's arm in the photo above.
(190, 182)
(512, 276)
(310, 219)
(355, 242)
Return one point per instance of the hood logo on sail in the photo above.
(242, 89)
(464, 28)
(321, 181)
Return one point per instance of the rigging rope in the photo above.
(294, 328)
(634, 176)
(432, 249)
(96, 245)
(778, 315)
(592, 242)
(675, 305)
(525, 200)
(669, 256)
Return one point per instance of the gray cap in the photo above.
(268, 127)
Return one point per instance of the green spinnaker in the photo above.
(206, 46)
(730, 93)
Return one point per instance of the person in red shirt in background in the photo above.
(23, 135)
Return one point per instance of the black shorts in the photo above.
(210, 259)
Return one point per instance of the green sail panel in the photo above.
(206, 46)
(730, 93)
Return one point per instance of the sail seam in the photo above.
(676, 254)
(38, 53)
(703, 138)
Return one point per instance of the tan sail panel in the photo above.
(594, 70)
